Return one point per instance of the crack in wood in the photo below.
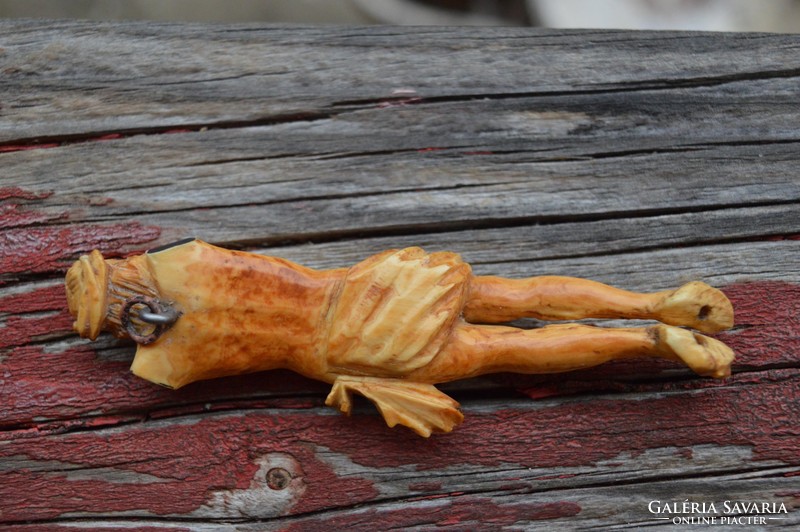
(700, 242)
(45, 141)
(617, 87)
(493, 223)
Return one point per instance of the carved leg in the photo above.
(479, 349)
(420, 407)
(496, 299)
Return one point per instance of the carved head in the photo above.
(98, 288)
(87, 294)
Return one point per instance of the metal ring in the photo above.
(160, 316)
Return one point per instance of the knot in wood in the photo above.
(278, 478)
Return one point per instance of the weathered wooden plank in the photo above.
(107, 389)
(72, 78)
(215, 466)
(582, 249)
(593, 508)
(396, 197)
(117, 226)
(639, 159)
(543, 128)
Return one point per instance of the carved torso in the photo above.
(386, 316)
(239, 314)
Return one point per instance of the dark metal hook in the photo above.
(169, 316)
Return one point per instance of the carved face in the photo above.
(87, 286)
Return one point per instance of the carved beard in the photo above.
(97, 289)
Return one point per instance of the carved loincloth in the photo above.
(395, 311)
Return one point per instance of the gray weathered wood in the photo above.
(640, 159)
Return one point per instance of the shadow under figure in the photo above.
(388, 328)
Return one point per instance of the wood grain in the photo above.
(639, 159)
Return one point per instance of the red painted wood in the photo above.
(184, 463)
(53, 527)
(22, 147)
(67, 404)
(39, 299)
(767, 323)
(459, 513)
(19, 193)
(57, 387)
(51, 248)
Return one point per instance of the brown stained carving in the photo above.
(388, 328)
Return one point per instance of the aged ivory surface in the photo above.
(388, 328)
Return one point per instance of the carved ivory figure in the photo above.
(388, 328)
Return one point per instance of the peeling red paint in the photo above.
(16, 192)
(763, 417)
(187, 459)
(211, 452)
(56, 142)
(37, 300)
(460, 514)
(425, 486)
(765, 335)
(287, 403)
(541, 392)
(79, 381)
(38, 145)
(685, 452)
(109, 136)
(48, 249)
(434, 497)
(15, 215)
(32, 146)
(768, 321)
(20, 331)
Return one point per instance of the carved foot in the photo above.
(698, 306)
(704, 355)
(420, 407)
